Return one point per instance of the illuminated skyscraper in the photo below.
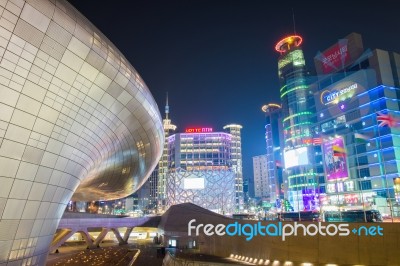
(298, 117)
(273, 141)
(163, 164)
(154, 190)
(236, 150)
(262, 187)
(205, 168)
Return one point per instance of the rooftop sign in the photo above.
(198, 130)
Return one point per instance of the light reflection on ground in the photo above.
(116, 255)
(109, 253)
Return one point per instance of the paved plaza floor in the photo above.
(109, 253)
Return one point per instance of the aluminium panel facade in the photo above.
(75, 117)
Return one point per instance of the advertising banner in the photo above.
(340, 55)
(335, 58)
(335, 159)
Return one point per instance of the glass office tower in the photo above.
(273, 141)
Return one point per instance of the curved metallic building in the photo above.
(74, 116)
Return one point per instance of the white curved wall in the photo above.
(74, 115)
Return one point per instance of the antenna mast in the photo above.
(166, 108)
(294, 22)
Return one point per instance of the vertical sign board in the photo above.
(335, 159)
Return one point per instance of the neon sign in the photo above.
(334, 96)
(199, 130)
(285, 44)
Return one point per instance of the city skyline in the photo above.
(81, 130)
(217, 59)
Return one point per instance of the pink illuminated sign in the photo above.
(335, 58)
(199, 130)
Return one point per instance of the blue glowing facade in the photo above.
(358, 103)
(274, 164)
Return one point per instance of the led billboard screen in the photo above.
(296, 157)
(193, 183)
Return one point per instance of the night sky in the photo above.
(216, 58)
